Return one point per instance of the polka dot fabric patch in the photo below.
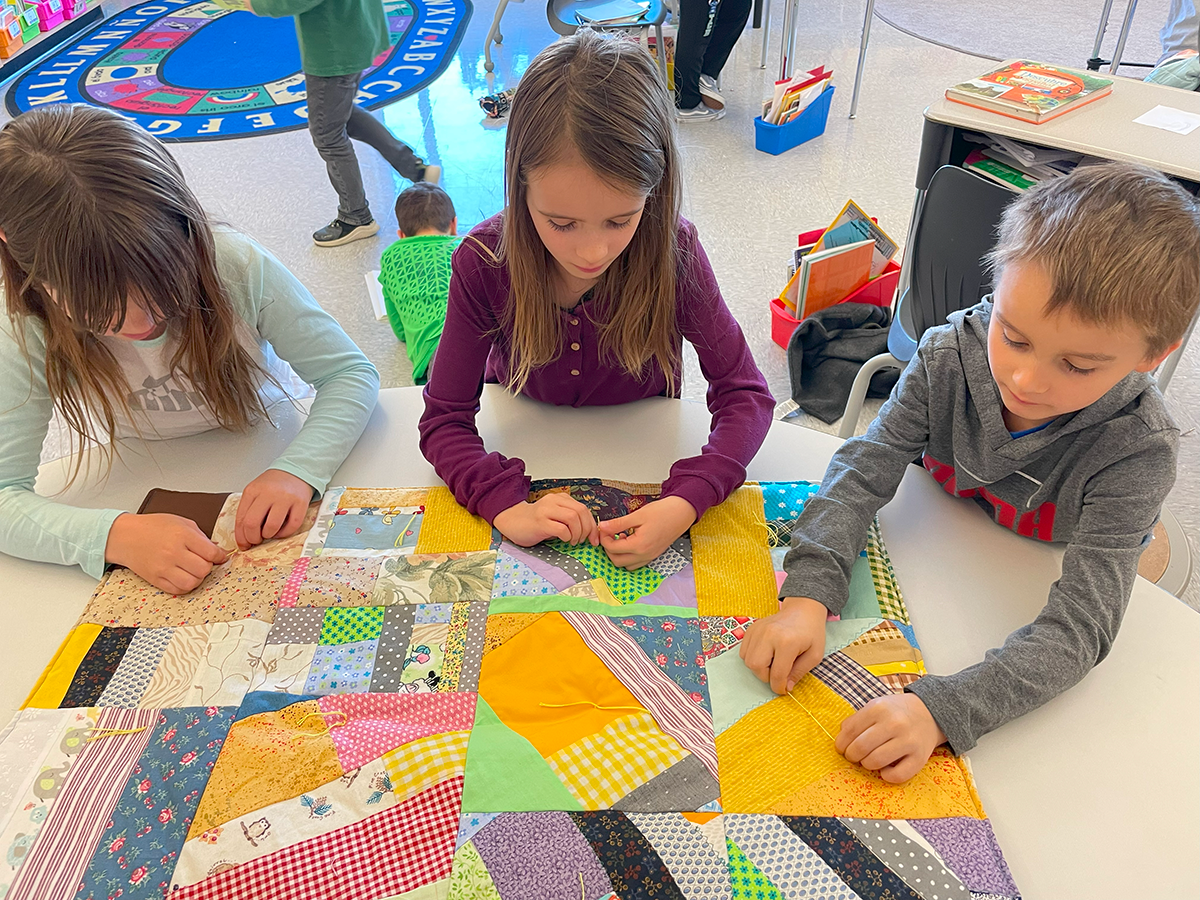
(916, 866)
(377, 723)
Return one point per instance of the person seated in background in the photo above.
(415, 271)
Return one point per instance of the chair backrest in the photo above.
(957, 227)
(561, 15)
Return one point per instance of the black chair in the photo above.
(956, 229)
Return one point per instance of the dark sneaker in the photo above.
(709, 93)
(338, 232)
(432, 174)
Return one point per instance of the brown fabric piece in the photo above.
(202, 509)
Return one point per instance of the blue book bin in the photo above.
(775, 139)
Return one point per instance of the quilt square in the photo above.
(441, 578)
(342, 669)
(343, 626)
(339, 779)
(621, 721)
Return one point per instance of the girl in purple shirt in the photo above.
(581, 293)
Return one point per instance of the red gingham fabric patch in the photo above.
(395, 851)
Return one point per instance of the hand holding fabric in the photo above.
(555, 515)
(893, 735)
(170, 552)
(782, 648)
(272, 506)
(644, 534)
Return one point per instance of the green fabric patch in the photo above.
(844, 632)
(626, 586)
(505, 772)
(746, 880)
(733, 689)
(863, 602)
(345, 625)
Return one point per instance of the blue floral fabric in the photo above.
(675, 646)
(139, 848)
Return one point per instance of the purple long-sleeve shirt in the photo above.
(475, 348)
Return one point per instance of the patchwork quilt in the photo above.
(397, 702)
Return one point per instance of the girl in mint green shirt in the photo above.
(132, 318)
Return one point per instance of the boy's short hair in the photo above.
(422, 206)
(1120, 243)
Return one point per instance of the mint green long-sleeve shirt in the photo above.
(285, 331)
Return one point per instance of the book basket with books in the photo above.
(851, 261)
(797, 111)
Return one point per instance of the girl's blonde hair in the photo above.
(599, 99)
(96, 211)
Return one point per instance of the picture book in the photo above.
(1031, 91)
(858, 225)
(793, 95)
(828, 276)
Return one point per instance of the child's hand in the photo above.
(273, 506)
(655, 527)
(555, 515)
(170, 552)
(893, 735)
(782, 648)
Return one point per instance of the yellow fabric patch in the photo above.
(503, 626)
(939, 790)
(552, 704)
(603, 594)
(901, 666)
(734, 573)
(260, 764)
(602, 768)
(755, 773)
(52, 686)
(448, 528)
(424, 762)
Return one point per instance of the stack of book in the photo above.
(1031, 91)
(793, 95)
(1015, 164)
(848, 254)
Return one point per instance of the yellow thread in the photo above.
(404, 530)
(590, 703)
(582, 890)
(811, 716)
(113, 732)
(325, 729)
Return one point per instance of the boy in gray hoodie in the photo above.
(1038, 404)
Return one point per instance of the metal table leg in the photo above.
(494, 35)
(862, 56)
(1096, 62)
(1124, 36)
(766, 32)
(787, 50)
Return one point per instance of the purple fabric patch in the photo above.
(970, 851)
(556, 576)
(539, 856)
(676, 590)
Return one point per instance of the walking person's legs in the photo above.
(366, 128)
(330, 103)
(696, 21)
(731, 19)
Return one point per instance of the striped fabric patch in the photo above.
(64, 848)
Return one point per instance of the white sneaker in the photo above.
(709, 93)
(700, 113)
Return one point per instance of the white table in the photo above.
(1095, 795)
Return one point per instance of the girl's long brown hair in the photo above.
(600, 99)
(96, 211)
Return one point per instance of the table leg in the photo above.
(787, 50)
(495, 35)
(1095, 62)
(766, 33)
(862, 56)
(1124, 36)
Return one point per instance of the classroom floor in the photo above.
(747, 205)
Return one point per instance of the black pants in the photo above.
(708, 29)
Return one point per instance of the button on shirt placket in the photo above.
(575, 351)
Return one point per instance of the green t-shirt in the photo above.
(415, 275)
(337, 37)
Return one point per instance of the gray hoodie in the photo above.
(1094, 479)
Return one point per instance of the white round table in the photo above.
(1095, 795)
